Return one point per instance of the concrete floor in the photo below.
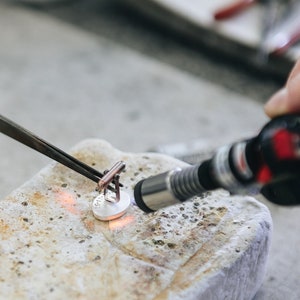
(85, 69)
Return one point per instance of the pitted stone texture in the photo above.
(214, 247)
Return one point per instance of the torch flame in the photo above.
(68, 201)
(121, 222)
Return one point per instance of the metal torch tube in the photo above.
(168, 188)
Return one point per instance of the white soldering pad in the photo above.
(106, 208)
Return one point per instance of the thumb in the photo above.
(286, 100)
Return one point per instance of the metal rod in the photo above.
(110, 175)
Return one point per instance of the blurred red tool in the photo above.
(288, 33)
(230, 10)
(281, 28)
(280, 24)
(293, 39)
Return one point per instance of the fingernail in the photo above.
(277, 105)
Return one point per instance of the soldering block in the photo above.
(213, 247)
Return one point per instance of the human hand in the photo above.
(287, 99)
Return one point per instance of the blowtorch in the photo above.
(268, 163)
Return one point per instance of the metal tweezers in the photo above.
(27, 138)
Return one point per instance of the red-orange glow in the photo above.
(68, 201)
(120, 223)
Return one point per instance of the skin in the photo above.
(287, 99)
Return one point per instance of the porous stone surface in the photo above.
(213, 247)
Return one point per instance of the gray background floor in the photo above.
(94, 68)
